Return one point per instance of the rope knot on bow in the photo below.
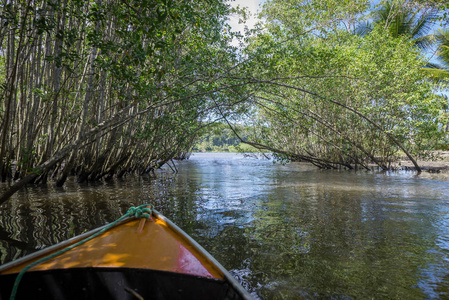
(142, 211)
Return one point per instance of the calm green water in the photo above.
(285, 232)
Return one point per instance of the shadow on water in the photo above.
(285, 232)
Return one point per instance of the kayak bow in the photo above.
(132, 260)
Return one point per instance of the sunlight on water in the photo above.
(284, 231)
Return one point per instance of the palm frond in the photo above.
(442, 38)
(385, 14)
(437, 75)
(423, 25)
(363, 28)
(433, 66)
(424, 42)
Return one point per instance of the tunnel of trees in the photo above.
(102, 88)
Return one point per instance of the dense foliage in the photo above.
(101, 88)
(333, 98)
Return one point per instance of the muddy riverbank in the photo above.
(439, 164)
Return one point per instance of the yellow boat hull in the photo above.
(156, 260)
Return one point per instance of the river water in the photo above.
(284, 231)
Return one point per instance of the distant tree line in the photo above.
(218, 137)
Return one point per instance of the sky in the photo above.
(252, 5)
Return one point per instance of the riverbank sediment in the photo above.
(437, 165)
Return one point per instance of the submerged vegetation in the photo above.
(103, 88)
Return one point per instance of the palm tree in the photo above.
(400, 19)
(440, 70)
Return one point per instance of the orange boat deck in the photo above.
(157, 246)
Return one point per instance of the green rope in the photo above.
(141, 211)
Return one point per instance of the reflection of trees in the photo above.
(316, 234)
(356, 247)
(326, 236)
(318, 241)
(40, 217)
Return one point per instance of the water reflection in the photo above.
(286, 232)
